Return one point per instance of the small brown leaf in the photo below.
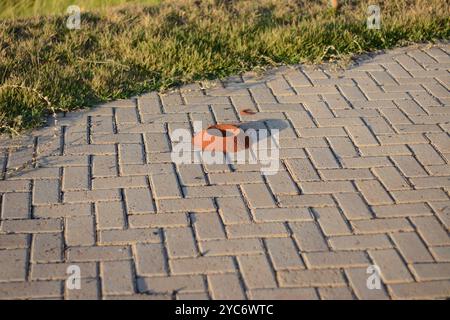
(247, 112)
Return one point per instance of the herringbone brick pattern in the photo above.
(364, 179)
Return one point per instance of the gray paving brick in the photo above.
(323, 158)
(151, 259)
(110, 215)
(302, 170)
(98, 253)
(32, 289)
(353, 206)
(232, 284)
(76, 178)
(362, 136)
(139, 200)
(284, 254)
(13, 265)
(204, 265)
(258, 195)
(180, 242)
(32, 225)
(13, 241)
(421, 290)
(129, 236)
(363, 179)
(46, 192)
(16, 206)
(165, 186)
(331, 221)
(193, 283)
(117, 277)
(256, 272)
(131, 153)
(47, 247)
(80, 231)
(308, 236)
(313, 278)
(411, 247)
(231, 247)
(208, 226)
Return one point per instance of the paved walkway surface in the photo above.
(364, 180)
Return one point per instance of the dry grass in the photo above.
(11, 9)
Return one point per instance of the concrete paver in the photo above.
(363, 179)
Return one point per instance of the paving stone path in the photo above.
(364, 180)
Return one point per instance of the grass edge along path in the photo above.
(123, 52)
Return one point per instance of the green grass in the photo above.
(118, 53)
(28, 8)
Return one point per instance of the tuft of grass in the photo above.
(122, 52)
